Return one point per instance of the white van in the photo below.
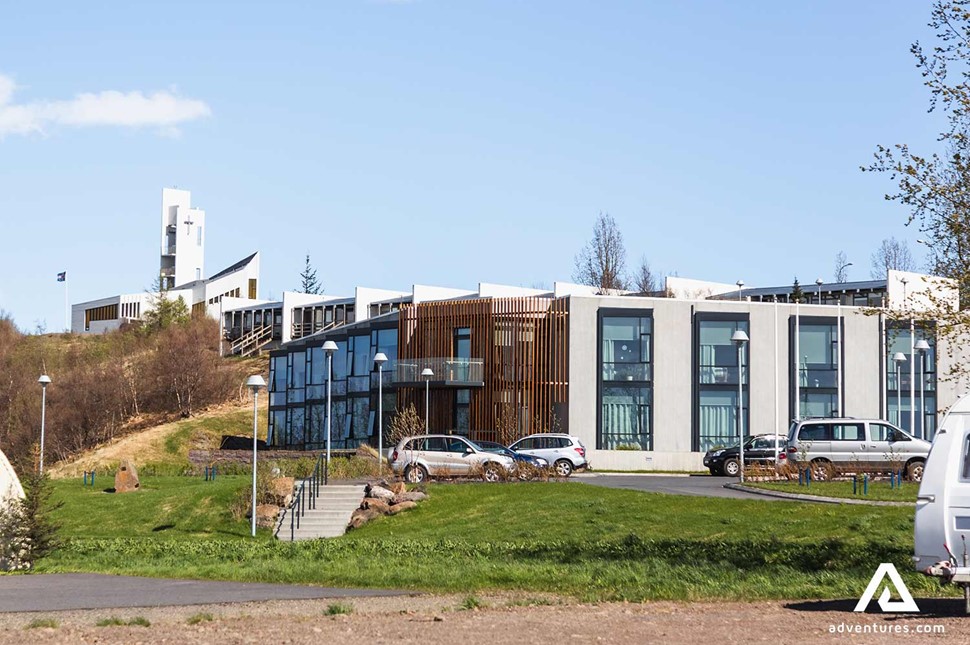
(942, 530)
(871, 445)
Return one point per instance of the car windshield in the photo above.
(491, 446)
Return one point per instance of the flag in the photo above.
(62, 276)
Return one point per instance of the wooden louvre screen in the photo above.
(523, 343)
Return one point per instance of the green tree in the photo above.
(935, 187)
(308, 278)
(164, 310)
(797, 295)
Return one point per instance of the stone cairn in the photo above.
(384, 499)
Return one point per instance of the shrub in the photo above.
(339, 608)
(201, 617)
(42, 622)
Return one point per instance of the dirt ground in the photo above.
(431, 620)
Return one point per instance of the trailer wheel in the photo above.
(914, 471)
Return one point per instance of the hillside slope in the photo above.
(168, 444)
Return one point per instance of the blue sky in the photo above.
(449, 141)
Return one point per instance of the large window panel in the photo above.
(718, 418)
(625, 386)
(717, 380)
(626, 418)
(902, 392)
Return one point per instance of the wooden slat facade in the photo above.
(524, 345)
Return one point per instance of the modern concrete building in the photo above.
(646, 382)
(181, 274)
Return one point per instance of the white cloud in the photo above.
(164, 110)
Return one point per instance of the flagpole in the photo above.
(67, 307)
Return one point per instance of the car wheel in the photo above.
(731, 467)
(714, 471)
(564, 468)
(914, 471)
(821, 470)
(491, 473)
(415, 474)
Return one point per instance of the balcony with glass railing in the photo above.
(449, 372)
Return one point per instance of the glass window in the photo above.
(903, 393)
(815, 432)
(340, 361)
(718, 372)
(848, 432)
(360, 407)
(526, 444)
(880, 431)
(966, 460)
(718, 418)
(625, 418)
(626, 374)
(362, 360)
(626, 348)
(718, 355)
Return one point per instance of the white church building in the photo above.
(181, 273)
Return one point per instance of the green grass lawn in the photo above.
(590, 542)
(878, 491)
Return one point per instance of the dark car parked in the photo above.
(765, 449)
(499, 449)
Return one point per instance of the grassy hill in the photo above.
(165, 447)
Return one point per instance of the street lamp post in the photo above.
(254, 383)
(922, 347)
(380, 358)
(740, 284)
(840, 272)
(427, 374)
(44, 381)
(899, 358)
(740, 338)
(818, 289)
(329, 347)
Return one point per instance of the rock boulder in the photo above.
(126, 479)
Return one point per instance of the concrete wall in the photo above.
(673, 404)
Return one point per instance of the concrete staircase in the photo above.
(334, 506)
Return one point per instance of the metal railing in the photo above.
(446, 370)
(309, 486)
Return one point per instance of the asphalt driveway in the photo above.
(60, 591)
(697, 485)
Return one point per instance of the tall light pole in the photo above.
(740, 284)
(44, 381)
(380, 358)
(427, 374)
(922, 347)
(740, 338)
(840, 275)
(254, 383)
(329, 347)
(899, 358)
(818, 289)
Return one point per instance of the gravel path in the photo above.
(506, 618)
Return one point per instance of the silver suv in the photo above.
(564, 452)
(866, 444)
(445, 455)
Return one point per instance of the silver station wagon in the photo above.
(870, 445)
(444, 455)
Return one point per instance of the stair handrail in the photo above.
(300, 503)
(256, 337)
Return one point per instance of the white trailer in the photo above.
(942, 528)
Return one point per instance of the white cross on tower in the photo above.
(188, 224)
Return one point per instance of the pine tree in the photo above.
(308, 279)
(797, 295)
